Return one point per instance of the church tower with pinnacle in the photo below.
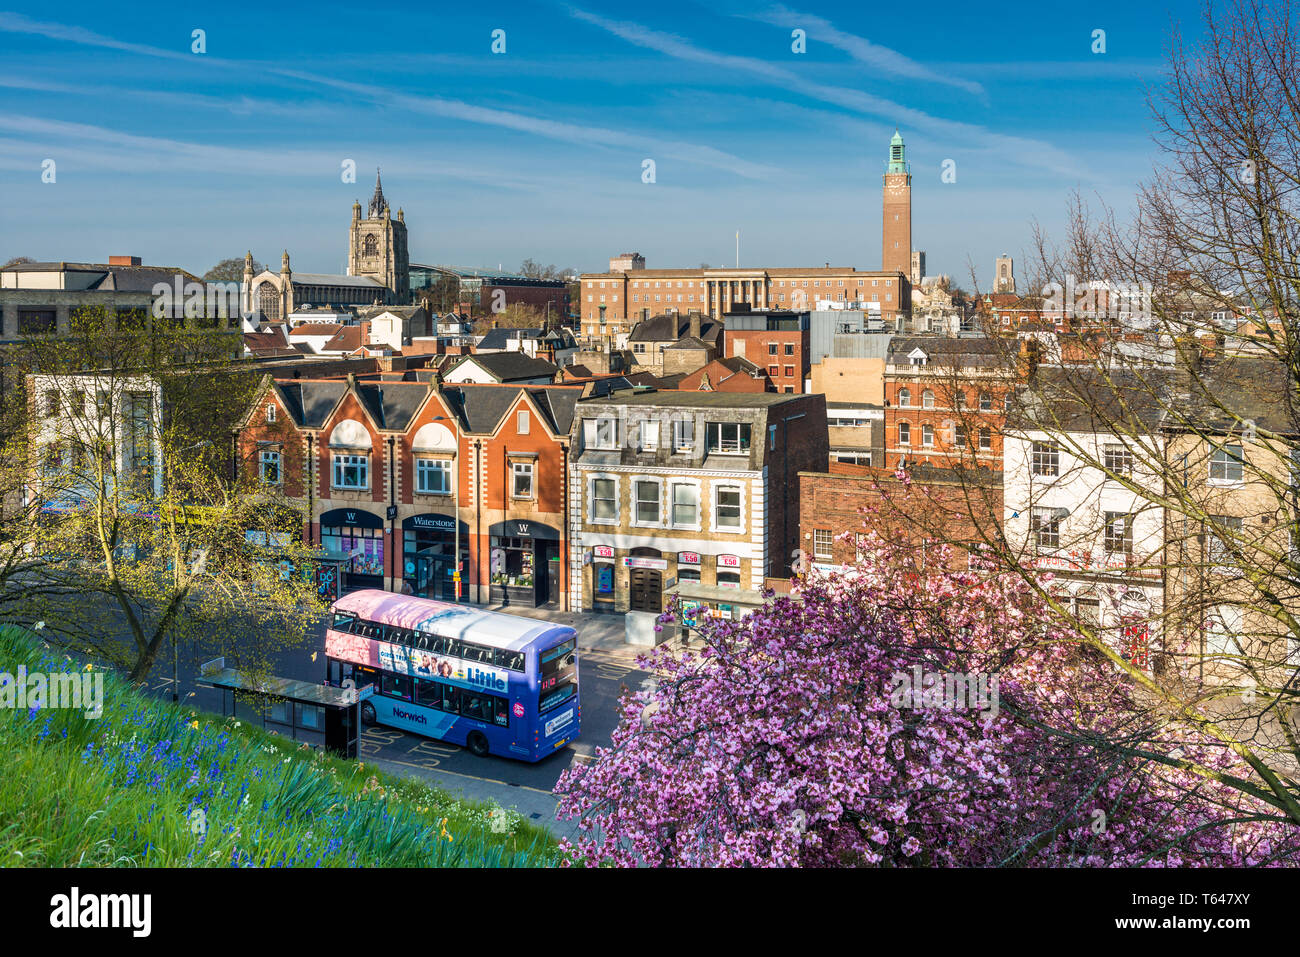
(377, 246)
(896, 247)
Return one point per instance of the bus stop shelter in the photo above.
(316, 714)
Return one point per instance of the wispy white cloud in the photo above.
(89, 146)
(1022, 150)
(447, 108)
(875, 55)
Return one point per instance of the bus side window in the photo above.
(343, 622)
(427, 693)
(501, 712)
(395, 686)
(511, 660)
(450, 698)
(421, 640)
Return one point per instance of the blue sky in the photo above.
(185, 158)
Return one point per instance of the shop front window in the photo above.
(512, 561)
(359, 551)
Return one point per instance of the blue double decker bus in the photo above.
(493, 683)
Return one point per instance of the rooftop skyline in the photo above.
(185, 158)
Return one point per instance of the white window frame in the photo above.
(610, 424)
(517, 469)
(1045, 459)
(1045, 522)
(694, 523)
(823, 542)
(426, 465)
(638, 481)
(1218, 553)
(683, 435)
(648, 435)
(342, 461)
(592, 517)
(1226, 462)
(270, 457)
(717, 526)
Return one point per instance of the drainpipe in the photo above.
(311, 490)
(564, 527)
(392, 502)
(478, 520)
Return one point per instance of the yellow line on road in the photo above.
(471, 777)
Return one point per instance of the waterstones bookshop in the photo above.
(428, 544)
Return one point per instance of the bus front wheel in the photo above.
(368, 714)
(477, 743)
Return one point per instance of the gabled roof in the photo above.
(947, 350)
(268, 344)
(392, 405)
(348, 339)
(500, 338)
(670, 328)
(689, 342)
(309, 402)
(316, 329)
(508, 366)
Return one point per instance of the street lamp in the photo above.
(456, 516)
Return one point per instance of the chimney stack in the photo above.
(695, 324)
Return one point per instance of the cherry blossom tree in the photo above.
(830, 728)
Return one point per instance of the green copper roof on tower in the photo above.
(897, 155)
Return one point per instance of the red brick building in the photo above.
(777, 341)
(946, 400)
(611, 303)
(936, 506)
(732, 374)
(387, 475)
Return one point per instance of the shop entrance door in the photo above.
(647, 590)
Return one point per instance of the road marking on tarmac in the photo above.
(472, 777)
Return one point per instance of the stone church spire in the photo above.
(377, 202)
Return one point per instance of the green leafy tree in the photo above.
(136, 519)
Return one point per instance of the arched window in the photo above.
(927, 399)
(904, 433)
(904, 398)
(268, 300)
(370, 245)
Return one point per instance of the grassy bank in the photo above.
(155, 784)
